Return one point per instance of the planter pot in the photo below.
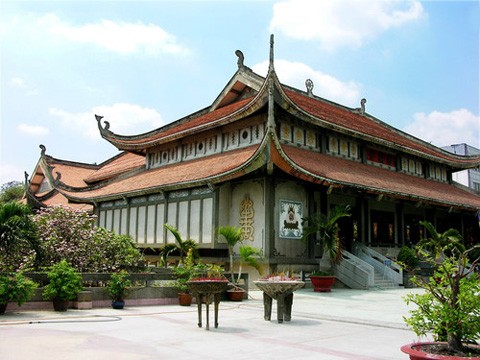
(415, 352)
(322, 283)
(118, 304)
(60, 304)
(184, 299)
(235, 294)
(3, 307)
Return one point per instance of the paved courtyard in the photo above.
(343, 324)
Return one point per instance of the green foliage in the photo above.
(408, 258)
(70, 234)
(119, 285)
(327, 228)
(12, 191)
(249, 255)
(183, 245)
(232, 235)
(450, 306)
(16, 288)
(184, 272)
(64, 282)
(18, 238)
(440, 243)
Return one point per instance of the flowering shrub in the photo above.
(70, 234)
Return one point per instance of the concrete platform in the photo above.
(343, 324)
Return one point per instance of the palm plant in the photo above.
(182, 245)
(438, 243)
(232, 235)
(249, 255)
(326, 226)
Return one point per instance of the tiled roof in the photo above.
(371, 178)
(176, 129)
(194, 171)
(60, 199)
(347, 119)
(120, 164)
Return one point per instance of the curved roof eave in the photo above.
(254, 162)
(245, 107)
(426, 150)
(283, 161)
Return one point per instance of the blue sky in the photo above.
(143, 64)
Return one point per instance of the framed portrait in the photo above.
(291, 213)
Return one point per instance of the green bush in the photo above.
(16, 288)
(407, 257)
(64, 282)
(119, 285)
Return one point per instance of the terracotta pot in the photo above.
(3, 307)
(60, 304)
(184, 299)
(235, 294)
(415, 352)
(322, 283)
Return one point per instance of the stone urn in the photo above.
(282, 291)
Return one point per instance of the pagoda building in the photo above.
(263, 156)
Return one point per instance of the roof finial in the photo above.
(361, 109)
(240, 59)
(271, 51)
(362, 106)
(309, 85)
(43, 148)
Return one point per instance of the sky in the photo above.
(144, 64)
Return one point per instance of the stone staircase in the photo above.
(380, 282)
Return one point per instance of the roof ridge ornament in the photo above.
(309, 86)
(43, 148)
(240, 56)
(103, 130)
(270, 65)
(361, 109)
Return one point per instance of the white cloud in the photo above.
(325, 86)
(33, 130)
(21, 84)
(443, 129)
(124, 119)
(116, 36)
(9, 172)
(347, 23)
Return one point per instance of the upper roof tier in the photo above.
(247, 91)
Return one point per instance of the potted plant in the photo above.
(118, 288)
(449, 308)
(248, 254)
(64, 285)
(408, 259)
(15, 288)
(326, 226)
(184, 272)
(322, 281)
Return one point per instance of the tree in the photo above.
(327, 228)
(12, 191)
(18, 237)
(450, 306)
